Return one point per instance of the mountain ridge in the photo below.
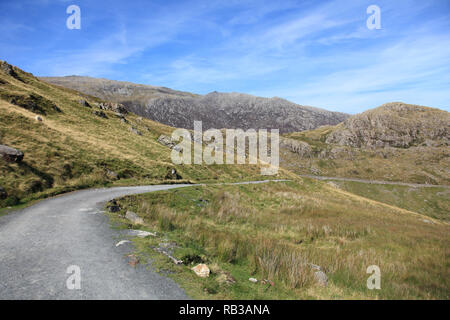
(216, 110)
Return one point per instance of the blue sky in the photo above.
(312, 52)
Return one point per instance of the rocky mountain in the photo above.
(215, 110)
(394, 142)
(393, 124)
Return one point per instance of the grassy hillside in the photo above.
(78, 146)
(275, 232)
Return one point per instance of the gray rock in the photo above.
(302, 148)
(84, 103)
(166, 141)
(321, 278)
(393, 124)
(135, 131)
(10, 154)
(7, 68)
(141, 233)
(134, 218)
(112, 175)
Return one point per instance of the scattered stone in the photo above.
(267, 281)
(201, 270)
(135, 131)
(172, 174)
(84, 103)
(134, 218)
(7, 68)
(3, 194)
(38, 118)
(141, 233)
(166, 141)
(321, 278)
(112, 175)
(133, 260)
(10, 154)
(100, 114)
(427, 221)
(253, 280)
(165, 248)
(116, 107)
(121, 242)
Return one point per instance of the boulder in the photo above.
(321, 278)
(10, 154)
(116, 107)
(112, 175)
(172, 174)
(302, 148)
(3, 194)
(134, 218)
(168, 142)
(201, 270)
(84, 103)
(135, 131)
(141, 233)
(7, 68)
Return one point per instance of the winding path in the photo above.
(39, 243)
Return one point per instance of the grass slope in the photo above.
(273, 231)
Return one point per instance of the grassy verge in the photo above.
(274, 231)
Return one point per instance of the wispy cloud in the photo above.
(316, 53)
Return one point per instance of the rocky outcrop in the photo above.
(100, 114)
(201, 270)
(10, 154)
(115, 107)
(135, 131)
(393, 124)
(302, 148)
(84, 103)
(134, 218)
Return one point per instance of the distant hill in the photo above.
(215, 110)
(393, 124)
